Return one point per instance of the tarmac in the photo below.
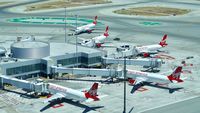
(183, 41)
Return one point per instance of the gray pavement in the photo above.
(184, 40)
(187, 106)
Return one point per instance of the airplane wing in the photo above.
(150, 52)
(94, 30)
(138, 83)
(105, 42)
(54, 97)
(153, 52)
(97, 41)
(108, 42)
(108, 45)
(87, 28)
(82, 39)
(73, 29)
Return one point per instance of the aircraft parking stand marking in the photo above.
(142, 89)
(58, 105)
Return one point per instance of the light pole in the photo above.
(124, 111)
(76, 42)
(65, 25)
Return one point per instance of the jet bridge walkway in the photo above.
(147, 63)
(88, 71)
(31, 86)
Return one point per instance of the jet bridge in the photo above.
(31, 86)
(88, 71)
(145, 62)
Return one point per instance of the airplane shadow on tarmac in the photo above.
(171, 90)
(78, 104)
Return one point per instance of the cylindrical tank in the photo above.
(30, 49)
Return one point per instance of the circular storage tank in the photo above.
(32, 49)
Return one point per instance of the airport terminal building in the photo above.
(35, 58)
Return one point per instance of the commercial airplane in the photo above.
(145, 51)
(138, 78)
(96, 41)
(60, 92)
(27, 39)
(86, 28)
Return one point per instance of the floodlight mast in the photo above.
(124, 111)
(76, 41)
(65, 25)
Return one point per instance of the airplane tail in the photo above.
(175, 76)
(131, 81)
(163, 41)
(95, 20)
(92, 93)
(106, 32)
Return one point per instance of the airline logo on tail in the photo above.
(92, 93)
(95, 20)
(175, 76)
(163, 41)
(106, 32)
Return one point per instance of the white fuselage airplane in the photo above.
(138, 78)
(86, 28)
(29, 38)
(60, 92)
(96, 41)
(151, 49)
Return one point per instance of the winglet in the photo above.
(163, 41)
(176, 75)
(92, 93)
(106, 32)
(95, 20)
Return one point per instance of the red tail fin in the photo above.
(131, 81)
(176, 75)
(106, 31)
(95, 20)
(92, 93)
(163, 41)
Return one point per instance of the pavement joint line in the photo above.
(169, 104)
